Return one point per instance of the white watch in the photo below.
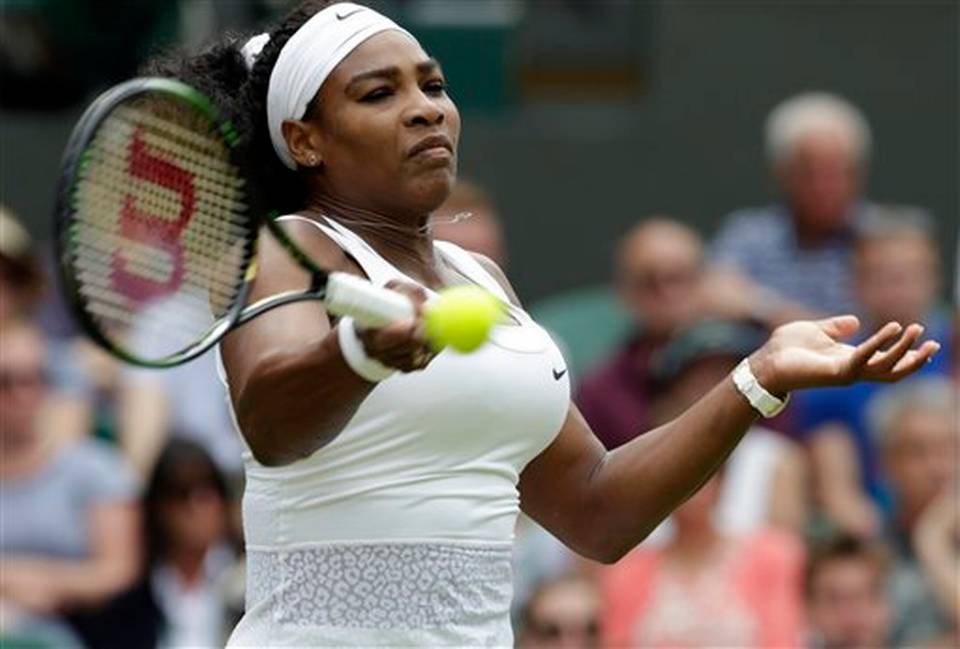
(761, 400)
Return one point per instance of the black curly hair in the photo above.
(220, 72)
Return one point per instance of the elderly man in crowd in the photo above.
(792, 258)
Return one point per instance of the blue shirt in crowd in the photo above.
(48, 513)
(848, 407)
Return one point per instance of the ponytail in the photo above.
(220, 72)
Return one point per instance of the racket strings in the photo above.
(160, 228)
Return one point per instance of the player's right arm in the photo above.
(290, 386)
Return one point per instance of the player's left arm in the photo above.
(603, 504)
(572, 486)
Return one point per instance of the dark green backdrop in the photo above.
(569, 179)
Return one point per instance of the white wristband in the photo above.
(761, 400)
(356, 356)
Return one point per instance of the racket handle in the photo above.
(369, 305)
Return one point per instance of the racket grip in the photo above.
(369, 305)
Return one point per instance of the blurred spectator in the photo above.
(897, 278)
(188, 398)
(659, 268)
(183, 599)
(765, 481)
(538, 557)
(469, 219)
(848, 605)
(936, 540)
(716, 573)
(919, 438)
(21, 280)
(562, 612)
(793, 259)
(704, 588)
(24, 292)
(897, 267)
(68, 538)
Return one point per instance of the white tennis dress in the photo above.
(399, 531)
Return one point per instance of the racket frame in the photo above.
(71, 165)
(343, 294)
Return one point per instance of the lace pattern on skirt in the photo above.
(382, 586)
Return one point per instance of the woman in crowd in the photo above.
(183, 599)
(705, 588)
(68, 518)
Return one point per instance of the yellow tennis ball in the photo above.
(462, 318)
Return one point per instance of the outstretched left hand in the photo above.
(809, 353)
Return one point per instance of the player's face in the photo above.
(387, 130)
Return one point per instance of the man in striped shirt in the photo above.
(793, 259)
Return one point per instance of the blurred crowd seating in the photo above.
(835, 525)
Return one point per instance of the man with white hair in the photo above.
(793, 259)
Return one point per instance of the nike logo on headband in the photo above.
(345, 16)
(559, 375)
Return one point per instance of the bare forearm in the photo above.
(602, 504)
(640, 483)
(286, 412)
(65, 582)
(144, 416)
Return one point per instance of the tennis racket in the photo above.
(157, 225)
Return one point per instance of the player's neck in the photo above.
(404, 241)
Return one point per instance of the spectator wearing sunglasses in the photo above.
(68, 532)
(659, 275)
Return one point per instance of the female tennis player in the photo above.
(383, 480)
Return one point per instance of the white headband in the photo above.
(308, 58)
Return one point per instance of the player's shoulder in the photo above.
(494, 270)
(309, 235)
(488, 265)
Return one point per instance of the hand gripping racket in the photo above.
(157, 225)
